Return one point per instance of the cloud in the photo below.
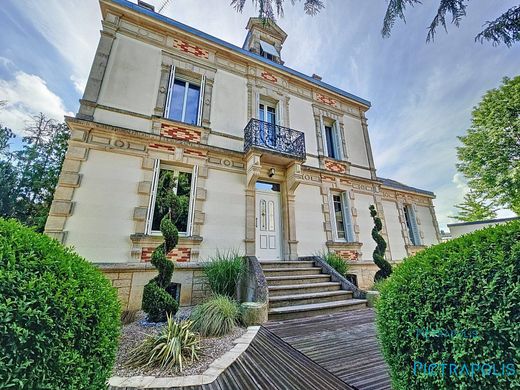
(27, 95)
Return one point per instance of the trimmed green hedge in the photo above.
(457, 305)
(59, 316)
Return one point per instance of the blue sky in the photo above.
(422, 94)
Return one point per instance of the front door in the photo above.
(268, 221)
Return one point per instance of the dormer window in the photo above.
(268, 51)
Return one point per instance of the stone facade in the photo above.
(122, 137)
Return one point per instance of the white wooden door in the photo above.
(268, 225)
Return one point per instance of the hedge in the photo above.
(449, 317)
(59, 316)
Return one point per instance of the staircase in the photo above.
(299, 289)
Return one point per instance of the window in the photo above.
(185, 98)
(181, 183)
(342, 217)
(332, 141)
(268, 51)
(411, 224)
(267, 114)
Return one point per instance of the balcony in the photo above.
(273, 138)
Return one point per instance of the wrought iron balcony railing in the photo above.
(265, 135)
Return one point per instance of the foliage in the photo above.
(490, 152)
(223, 272)
(474, 209)
(29, 176)
(266, 9)
(335, 261)
(216, 317)
(59, 316)
(169, 350)
(157, 301)
(466, 286)
(377, 286)
(506, 28)
(385, 269)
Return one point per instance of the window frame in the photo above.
(175, 76)
(335, 139)
(411, 223)
(152, 201)
(348, 220)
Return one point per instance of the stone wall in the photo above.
(129, 280)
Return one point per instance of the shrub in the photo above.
(385, 269)
(456, 303)
(335, 261)
(157, 300)
(59, 316)
(216, 317)
(223, 273)
(169, 350)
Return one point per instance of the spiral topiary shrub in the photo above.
(449, 317)
(59, 316)
(385, 269)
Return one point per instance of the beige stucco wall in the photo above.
(122, 120)
(365, 222)
(131, 80)
(302, 119)
(225, 142)
(393, 227)
(102, 221)
(457, 231)
(229, 104)
(356, 149)
(225, 213)
(427, 225)
(309, 220)
(360, 172)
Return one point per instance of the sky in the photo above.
(422, 93)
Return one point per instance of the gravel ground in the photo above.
(134, 333)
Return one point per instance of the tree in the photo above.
(385, 269)
(474, 208)
(266, 8)
(8, 174)
(490, 153)
(505, 28)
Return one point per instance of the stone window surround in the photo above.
(322, 114)
(258, 89)
(349, 194)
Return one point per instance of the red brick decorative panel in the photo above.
(328, 178)
(165, 147)
(325, 99)
(179, 132)
(191, 49)
(269, 77)
(348, 254)
(335, 166)
(196, 153)
(176, 254)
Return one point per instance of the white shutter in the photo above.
(171, 80)
(153, 194)
(347, 216)
(323, 137)
(193, 195)
(337, 142)
(413, 223)
(201, 100)
(279, 113)
(257, 105)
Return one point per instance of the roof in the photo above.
(483, 221)
(239, 50)
(401, 186)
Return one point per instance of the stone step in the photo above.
(291, 271)
(303, 288)
(296, 279)
(314, 309)
(307, 298)
(286, 264)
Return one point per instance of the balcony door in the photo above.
(267, 114)
(268, 222)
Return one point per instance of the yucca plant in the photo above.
(169, 350)
(335, 261)
(223, 272)
(215, 317)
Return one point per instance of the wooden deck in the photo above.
(269, 363)
(344, 343)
